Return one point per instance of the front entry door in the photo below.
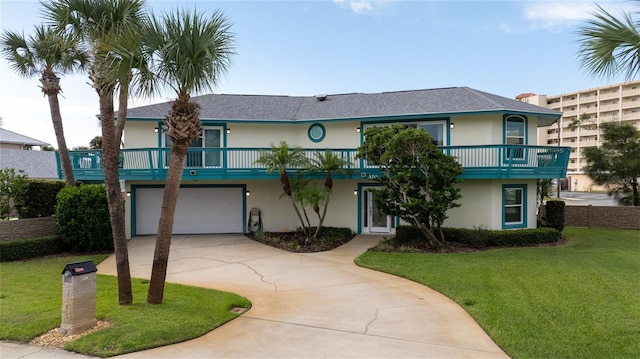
(374, 220)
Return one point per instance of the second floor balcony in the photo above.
(479, 162)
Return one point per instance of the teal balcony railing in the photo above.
(479, 162)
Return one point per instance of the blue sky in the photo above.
(330, 47)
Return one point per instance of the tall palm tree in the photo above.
(610, 46)
(47, 53)
(109, 28)
(189, 51)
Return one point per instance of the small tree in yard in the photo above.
(11, 186)
(616, 164)
(418, 180)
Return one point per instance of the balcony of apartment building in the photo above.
(609, 94)
(568, 133)
(609, 107)
(569, 112)
(633, 103)
(630, 116)
(631, 91)
(571, 101)
(591, 142)
(588, 132)
(590, 97)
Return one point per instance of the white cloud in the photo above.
(555, 15)
(363, 6)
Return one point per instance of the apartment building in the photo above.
(617, 102)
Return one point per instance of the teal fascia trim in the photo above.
(134, 187)
(523, 187)
(371, 119)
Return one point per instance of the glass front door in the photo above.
(374, 221)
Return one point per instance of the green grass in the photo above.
(581, 300)
(30, 305)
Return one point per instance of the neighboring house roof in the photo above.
(35, 164)
(7, 136)
(442, 101)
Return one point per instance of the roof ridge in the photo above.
(482, 95)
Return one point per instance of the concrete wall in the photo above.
(27, 228)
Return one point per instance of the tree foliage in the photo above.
(11, 186)
(610, 46)
(302, 190)
(418, 179)
(616, 164)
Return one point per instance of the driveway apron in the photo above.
(310, 305)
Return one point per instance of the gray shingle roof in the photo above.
(444, 101)
(35, 164)
(7, 136)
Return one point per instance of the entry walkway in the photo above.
(310, 305)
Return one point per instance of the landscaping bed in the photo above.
(296, 241)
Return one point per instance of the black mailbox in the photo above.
(80, 268)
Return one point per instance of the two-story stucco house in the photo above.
(491, 136)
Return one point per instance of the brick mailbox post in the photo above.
(78, 297)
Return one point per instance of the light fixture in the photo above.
(355, 192)
(358, 129)
(228, 131)
(155, 129)
(247, 193)
(128, 194)
(452, 125)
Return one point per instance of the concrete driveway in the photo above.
(310, 305)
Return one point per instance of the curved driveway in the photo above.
(310, 305)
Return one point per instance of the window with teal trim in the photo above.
(515, 133)
(514, 206)
(316, 132)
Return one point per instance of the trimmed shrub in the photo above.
(38, 198)
(482, 238)
(31, 248)
(555, 215)
(82, 218)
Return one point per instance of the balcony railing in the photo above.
(486, 162)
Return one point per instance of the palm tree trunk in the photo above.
(110, 151)
(165, 225)
(65, 160)
(50, 85)
(123, 102)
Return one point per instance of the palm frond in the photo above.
(190, 50)
(610, 46)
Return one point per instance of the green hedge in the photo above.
(82, 218)
(555, 214)
(482, 238)
(31, 248)
(38, 199)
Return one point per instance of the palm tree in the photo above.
(328, 163)
(189, 51)
(109, 28)
(47, 53)
(279, 159)
(610, 46)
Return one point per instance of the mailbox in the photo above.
(78, 297)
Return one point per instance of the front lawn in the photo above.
(30, 298)
(581, 300)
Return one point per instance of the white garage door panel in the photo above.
(199, 210)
